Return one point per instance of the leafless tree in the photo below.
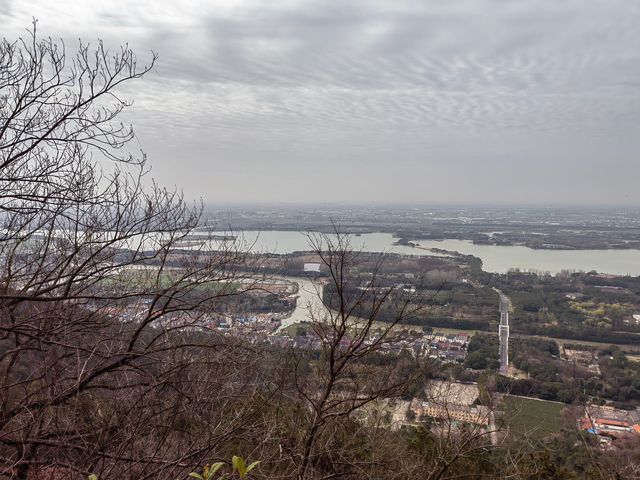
(338, 386)
(104, 364)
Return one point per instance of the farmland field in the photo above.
(532, 417)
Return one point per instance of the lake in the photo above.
(498, 259)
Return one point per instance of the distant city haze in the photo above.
(430, 102)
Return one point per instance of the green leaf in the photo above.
(253, 465)
(239, 465)
(196, 475)
(216, 466)
(93, 476)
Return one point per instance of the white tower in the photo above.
(503, 333)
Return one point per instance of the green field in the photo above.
(531, 417)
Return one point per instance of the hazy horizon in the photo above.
(585, 207)
(424, 205)
(470, 102)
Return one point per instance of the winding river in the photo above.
(497, 259)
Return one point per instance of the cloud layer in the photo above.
(469, 101)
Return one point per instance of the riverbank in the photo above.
(495, 258)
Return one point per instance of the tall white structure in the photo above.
(503, 333)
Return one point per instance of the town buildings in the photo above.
(609, 421)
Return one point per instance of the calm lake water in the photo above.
(497, 259)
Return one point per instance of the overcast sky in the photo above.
(470, 101)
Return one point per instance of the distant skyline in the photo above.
(463, 102)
